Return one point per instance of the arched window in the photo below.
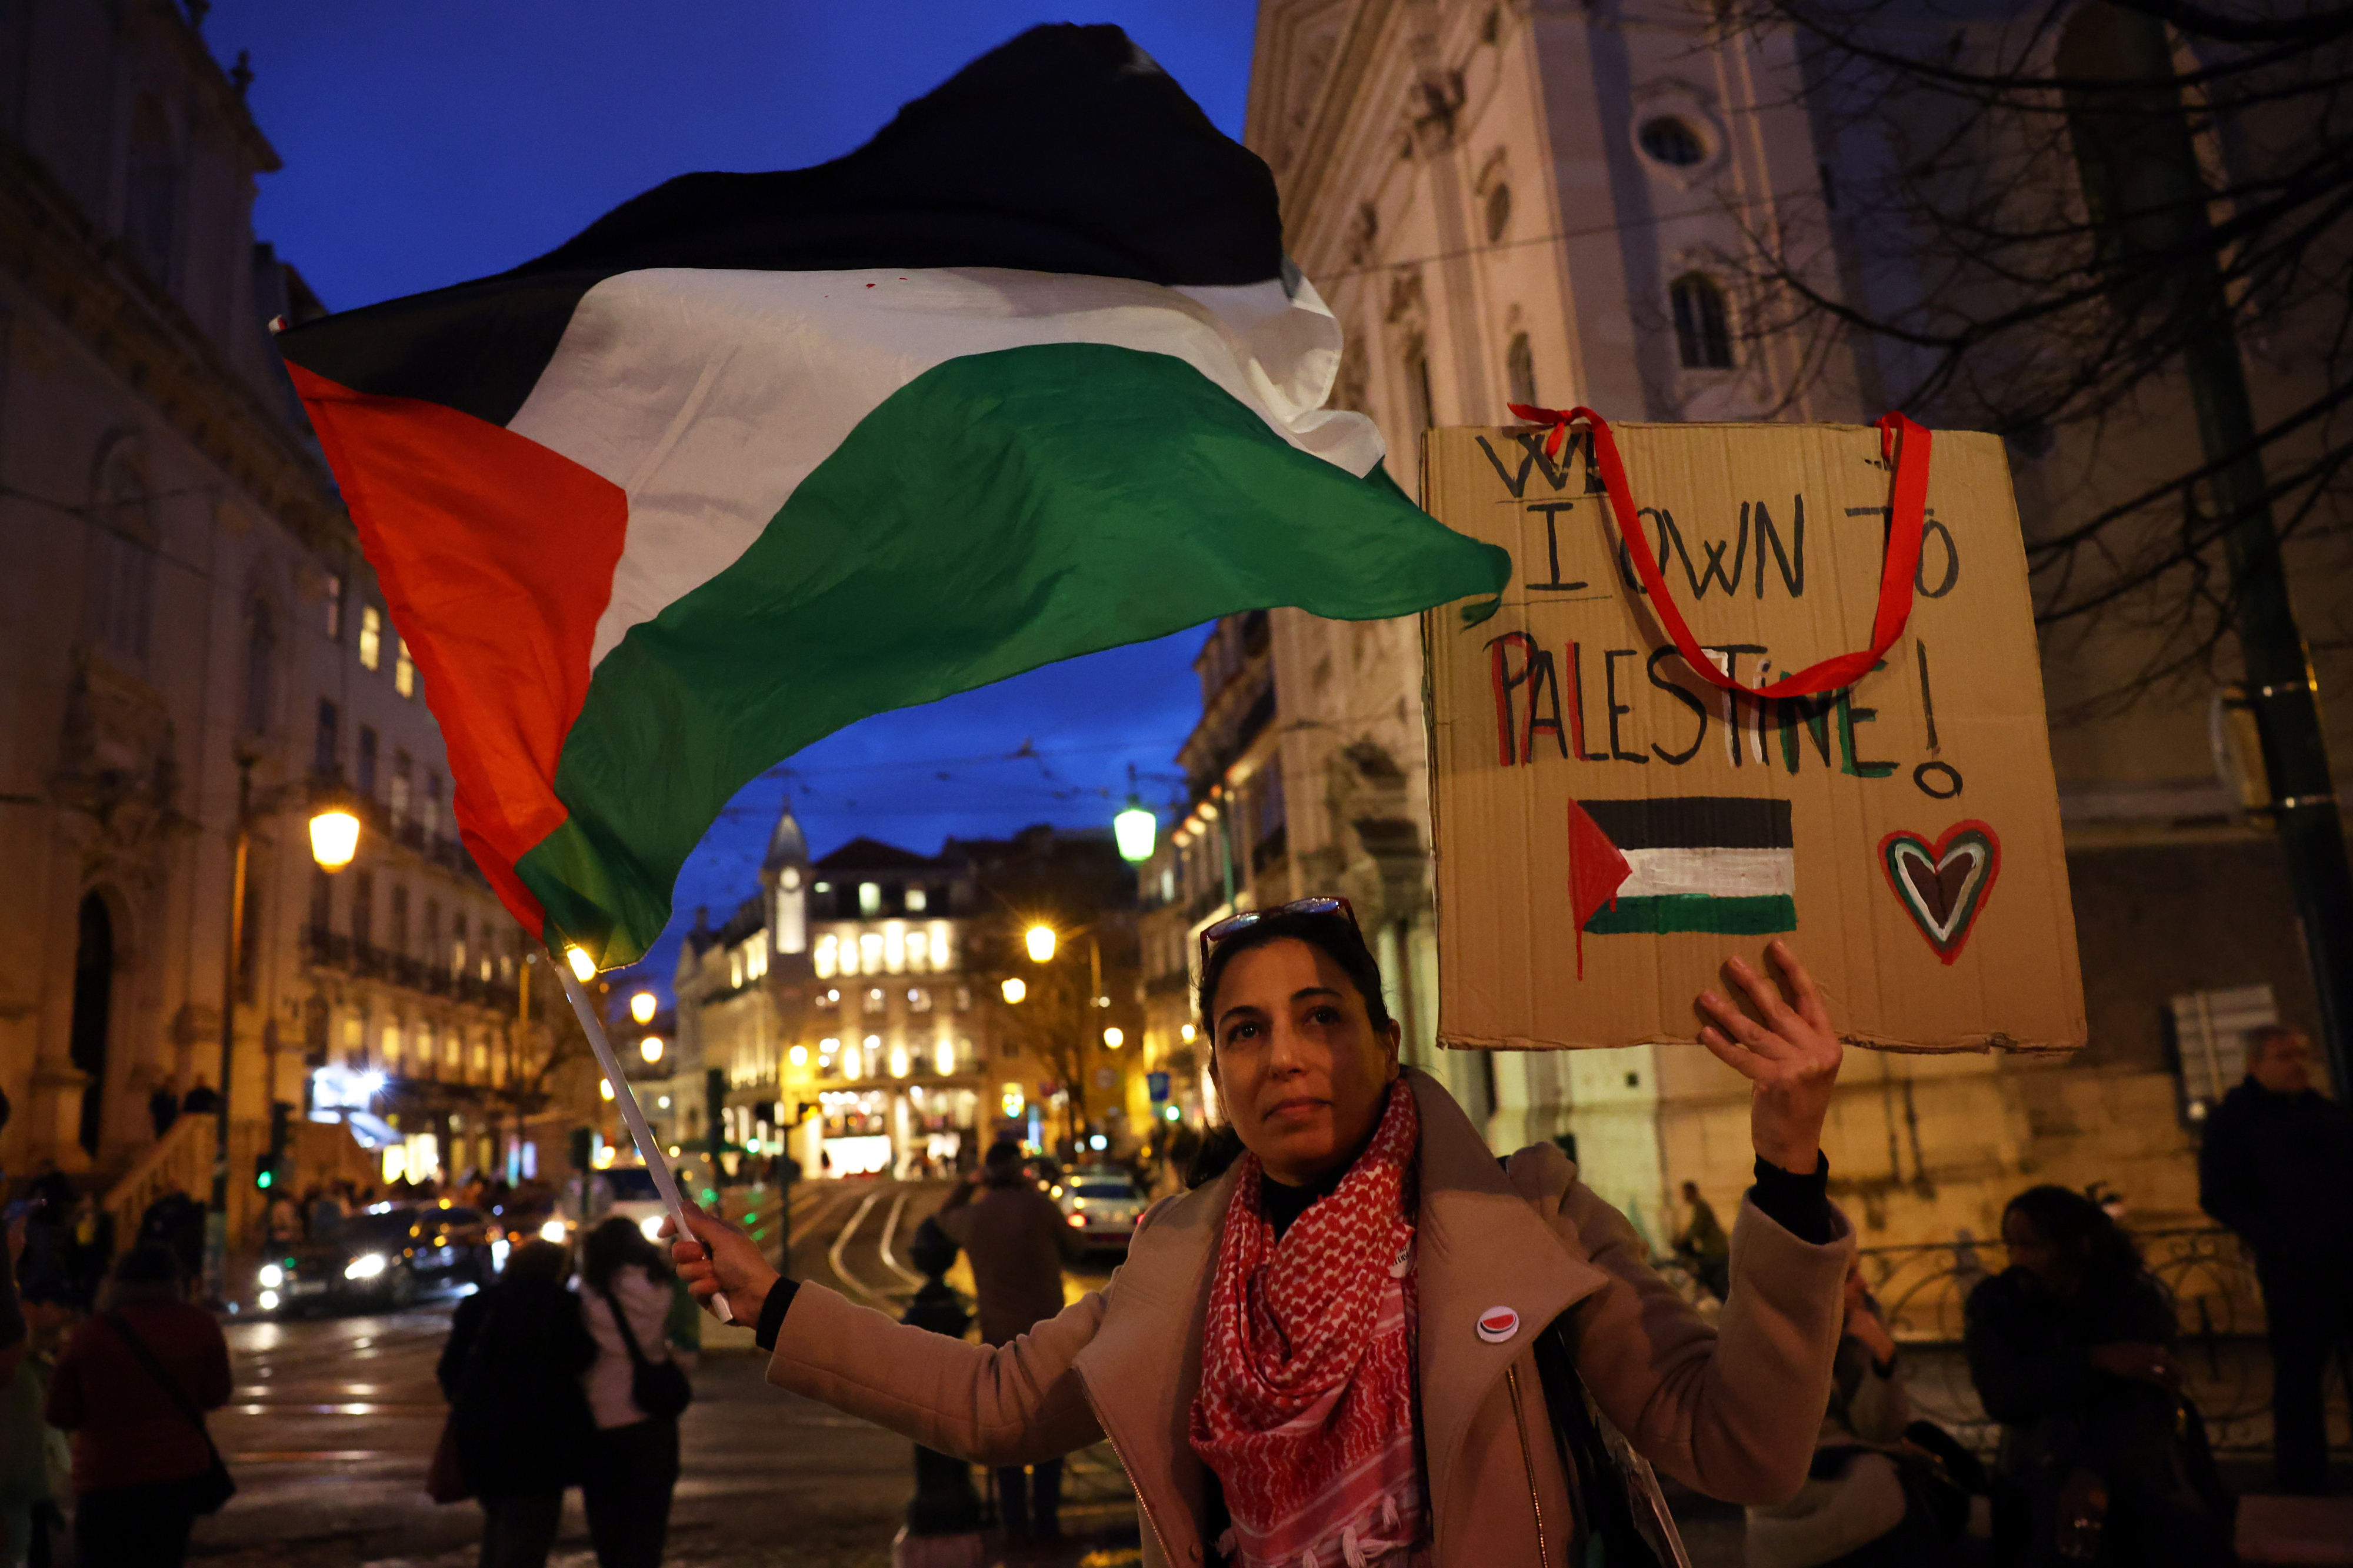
(1499, 211)
(122, 565)
(261, 664)
(1703, 329)
(1520, 367)
(150, 207)
(1416, 386)
(1672, 142)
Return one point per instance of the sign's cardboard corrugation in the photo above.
(1963, 811)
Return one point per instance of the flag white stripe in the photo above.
(709, 396)
(1715, 873)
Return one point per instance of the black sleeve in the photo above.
(1798, 1204)
(462, 1329)
(772, 1313)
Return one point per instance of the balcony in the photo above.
(326, 949)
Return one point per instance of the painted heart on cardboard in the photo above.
(1943, 885)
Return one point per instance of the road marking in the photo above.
(889, 1229)
(833, 1254)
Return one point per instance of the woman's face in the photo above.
(2045, 1259)
(1301, 1068)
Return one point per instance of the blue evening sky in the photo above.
(431, 141)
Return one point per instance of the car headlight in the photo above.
(651, 1224)
(1078, 1221)
(267, 1300)
(271, 1277)
(553, 1231)
(366, 1266)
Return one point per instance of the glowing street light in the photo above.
(1189, 1032)
(1114, 1039)
(605, 1088)
(1040, 940)
(650, 1048)
(1135, 828)
(1015, 989)
(641, 1008)
(334, 838)
(583, 966)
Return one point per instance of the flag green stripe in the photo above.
(998, 512)
(1696, 912)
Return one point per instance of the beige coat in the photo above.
(1731, 1409)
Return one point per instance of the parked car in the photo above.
(625, 1190)
(1103, 1203)
(382, 1257)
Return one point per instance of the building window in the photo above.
(371, 637)
(1672, 142)
(403, 787)
(1703, 327)
(261, 664)
(323, 901)
(918, 999)
(150, 205)
(869, 952)
(874, 999)
(870, 898)
(334, 606)
(1520, 369)
(403, 669)
(392, 1051)
(428, 812)
(1498, 212)
(363, 908)
(916, 901)
(327, 752)
(1416, 386)
(123, 573)
(457, 943)
(828, 947)
(432, 928)
(734, 968)
(367, 762)
(398, 930)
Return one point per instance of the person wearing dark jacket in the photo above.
(137, 1456)
(2070, 1348)
(511, 1373)
(2278, 1169)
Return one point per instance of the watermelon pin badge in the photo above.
(1497, 1325)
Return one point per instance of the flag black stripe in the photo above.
(1693, 822)
(1066, 149)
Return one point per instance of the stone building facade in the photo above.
(184, 606)
(1541, 202)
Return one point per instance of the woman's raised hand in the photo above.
(1790, 1059)
(734, 1263)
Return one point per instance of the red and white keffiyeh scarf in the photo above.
(1305, 1412)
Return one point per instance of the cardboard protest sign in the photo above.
(1610, 825)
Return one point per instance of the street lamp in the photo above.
(1135, 829)
(1015, 989)
(1113, 1040)
(641, 1008)
(650, 1048)
(334, 839)
(1041, 942)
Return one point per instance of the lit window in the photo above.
(919, 1000)
(1672, 142)
(944, 1058)
(371, 637)
(334, 606)
(915, 901)
(943, 946)
(874, 1000)
(898, 1061)
(919, 954)
(869, 898)
(404, 669)
(828, 949)
(735, 968)
(870, 952)
(894, 948)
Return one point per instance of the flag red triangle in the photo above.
(1596, 868)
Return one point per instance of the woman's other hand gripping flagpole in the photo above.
(623, 1097)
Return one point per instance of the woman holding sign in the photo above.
(1363, 1342)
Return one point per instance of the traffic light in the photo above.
(269, 1166)
(265, 1171)
(584, 1147)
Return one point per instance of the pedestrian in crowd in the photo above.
(23, 1481)
(625, 1294)
(282, 1224)
(163, 1107)
(1337, 1349)
(1856, 1510)
(2071, 1350)
(200, 1100)
(1017, 1243)
(1703, 1245)
(328, 1212)
(175, 1222)
(2278, 1169)
(511, 1373)
(131, 1388)
(89, 1251)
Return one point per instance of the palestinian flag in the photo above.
(757, 455)
(1724, 864)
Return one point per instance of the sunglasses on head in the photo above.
(1234, 924)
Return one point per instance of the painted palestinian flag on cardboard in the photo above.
(757, 455)
(1726, 864)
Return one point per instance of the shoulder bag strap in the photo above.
(172, 1389)
(621, 1322)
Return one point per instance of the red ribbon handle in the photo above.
(1903, 445)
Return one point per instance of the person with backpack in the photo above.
(1370, 1342)
(511, 1373)
(635, 1392)
(132, 1388)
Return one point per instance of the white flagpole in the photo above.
(594, 1028)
